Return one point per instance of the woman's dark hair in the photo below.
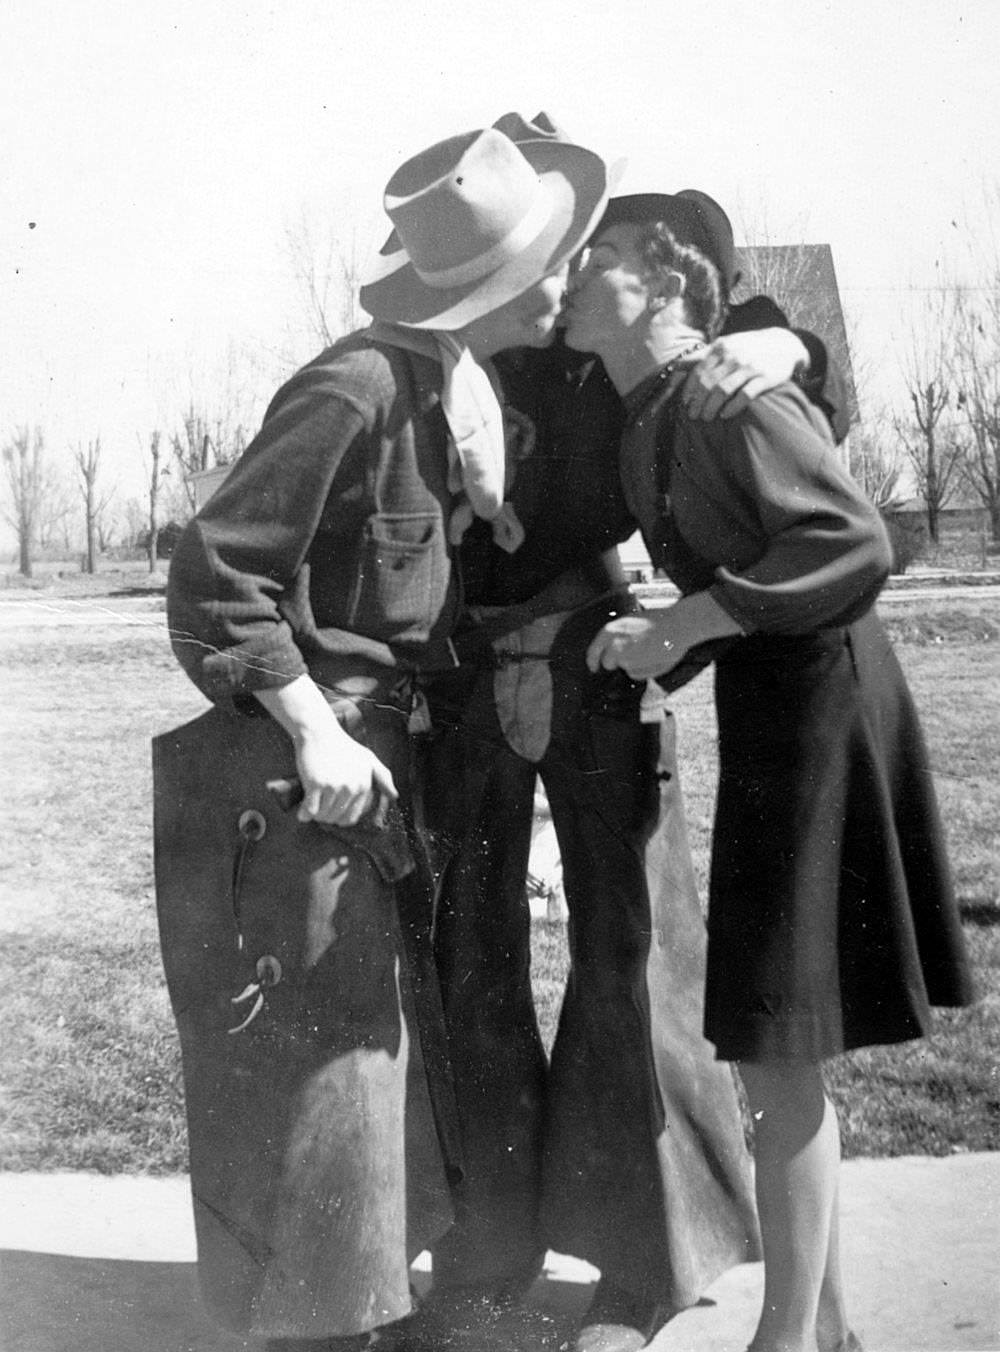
(661, 252)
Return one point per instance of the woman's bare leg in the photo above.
(831, 1321)
(797, 1155)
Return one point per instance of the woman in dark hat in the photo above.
(624, 1145)
(303, 600)
(832, 923)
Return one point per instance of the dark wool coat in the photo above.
(832, 921)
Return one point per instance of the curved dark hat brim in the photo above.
(578, 182)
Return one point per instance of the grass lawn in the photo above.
(88, 1066)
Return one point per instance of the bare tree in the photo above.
(978, 367)
(878, 462)
(56, 511)
(204, 440)
(105, 525)
(24, 469)
(930, 435)
(326, 264)
(781, 271)
(156, 472)
(933, 449)
(313, 268)
(218, 403)
(192, 444)
(134, 521)
(95, 499)
(980, 398)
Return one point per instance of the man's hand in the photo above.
(722, 379)
(341, 779)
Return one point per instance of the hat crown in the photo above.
(539, 128)
(480, 219)
(465, 206)
(714, 232)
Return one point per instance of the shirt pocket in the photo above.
(402, 576)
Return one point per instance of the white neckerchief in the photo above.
(470, 400)
(471, 403)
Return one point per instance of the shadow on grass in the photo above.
(982, 914)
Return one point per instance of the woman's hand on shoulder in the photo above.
(724, 378)
(643, 646)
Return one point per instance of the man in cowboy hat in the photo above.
(303, 600)
(627, 1150)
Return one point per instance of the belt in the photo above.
(572, 592)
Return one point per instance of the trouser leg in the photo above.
(482, 947)
(646, 1173)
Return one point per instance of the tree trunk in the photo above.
(154, 497)
(91, 550)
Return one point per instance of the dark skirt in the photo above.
(832, 919)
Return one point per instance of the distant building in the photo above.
(803, 281)
(963, 512)
(204, 483)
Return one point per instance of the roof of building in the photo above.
(803, 281)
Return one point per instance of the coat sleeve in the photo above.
(823, 384)
(806, 548)
(238, 562)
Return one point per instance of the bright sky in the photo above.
(152, 153)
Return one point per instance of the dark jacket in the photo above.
(328, 538)
(568, 493)
(758, 509)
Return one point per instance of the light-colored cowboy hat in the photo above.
(479, 219)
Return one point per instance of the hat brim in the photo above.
(577, 181)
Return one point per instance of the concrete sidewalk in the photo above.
(95, 1264)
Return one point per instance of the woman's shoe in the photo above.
(848, 1344)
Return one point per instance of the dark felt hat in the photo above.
(693, 218)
